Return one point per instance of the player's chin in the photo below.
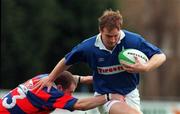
(112, 46)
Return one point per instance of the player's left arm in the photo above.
(155, 61)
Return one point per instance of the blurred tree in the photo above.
(164, 25)
(25, 38)
(159, 22)
(36, 34)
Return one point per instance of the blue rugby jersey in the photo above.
(23, 100)
(108, 75)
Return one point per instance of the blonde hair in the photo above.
(110, 19)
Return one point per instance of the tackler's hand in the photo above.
(44, 82)
(113, 96)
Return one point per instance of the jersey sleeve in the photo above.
(65, 102)
(148, 48)
(77, 54)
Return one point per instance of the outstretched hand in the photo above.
(44, 82)
(117, 97)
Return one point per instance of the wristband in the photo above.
(110, 96)
(79, 79)
(107, 97)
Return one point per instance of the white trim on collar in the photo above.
(100, 45)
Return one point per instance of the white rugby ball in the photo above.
(127, 56)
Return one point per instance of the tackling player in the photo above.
(24, 100)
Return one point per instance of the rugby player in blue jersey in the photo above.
(100, 52)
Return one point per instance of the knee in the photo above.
(134, 112)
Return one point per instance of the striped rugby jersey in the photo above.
(23, 100)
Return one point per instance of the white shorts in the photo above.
(132, 99)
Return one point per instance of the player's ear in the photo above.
(60, 87)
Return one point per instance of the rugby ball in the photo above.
(127, 56)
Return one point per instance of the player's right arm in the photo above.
(83, 79)
(48, 81)
(92, 102)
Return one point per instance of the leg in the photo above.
(122, 108)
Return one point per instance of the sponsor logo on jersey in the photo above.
(108, 70)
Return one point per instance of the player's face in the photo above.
(110, 38)
(70, 90)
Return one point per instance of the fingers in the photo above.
(38, 86)
(35, 86)
(137, 61)
(49, 88)
(38, 89)
(127, 65)
(135, 68)
(131, 68)
(41, 84)
(128, 68)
